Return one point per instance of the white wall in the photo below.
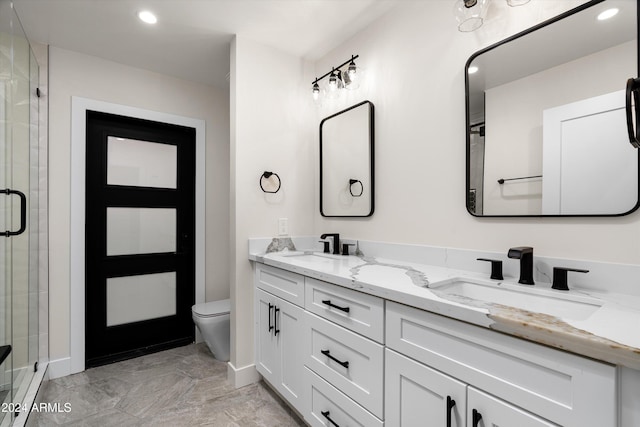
(270, 121)
(75, 74)
(415, 60)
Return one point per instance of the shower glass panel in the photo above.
(19, 178)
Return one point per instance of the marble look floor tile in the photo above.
(184, 386)
(110, 418)
(155, 394)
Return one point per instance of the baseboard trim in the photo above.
(240, 377)
(59, 368)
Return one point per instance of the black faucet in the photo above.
(336, 242)
(525, 255)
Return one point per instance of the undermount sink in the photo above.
(554, 303)
(310, 254)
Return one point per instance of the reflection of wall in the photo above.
(514, 122)
(476, 166)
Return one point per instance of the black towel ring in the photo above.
(355, 181)
(267, 175)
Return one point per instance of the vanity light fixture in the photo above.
(470, 14)
(147, 17)
(316, 90)
(472, 70)
(515, 3)
(338, 79)
(607, 14)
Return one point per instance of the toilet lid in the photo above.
(212, 308)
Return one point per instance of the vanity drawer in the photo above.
(354, 310)
(350, 362)
(284, 284)
(327, 401)
(569, 390)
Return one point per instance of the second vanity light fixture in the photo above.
(470, 13)
(338, 79)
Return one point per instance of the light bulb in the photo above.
(333, 82)
(316, 91)
(352, 69)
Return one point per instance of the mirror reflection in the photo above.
(346, 162)
(546, 124)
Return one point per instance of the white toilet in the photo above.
(213, 322)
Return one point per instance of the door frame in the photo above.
(79, 107)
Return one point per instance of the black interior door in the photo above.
(140, 227)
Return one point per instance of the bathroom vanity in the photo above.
(358, 340)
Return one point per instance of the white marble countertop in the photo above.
(609, 332)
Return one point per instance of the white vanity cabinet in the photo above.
(279, 333)
(502, 374)
(347, 358)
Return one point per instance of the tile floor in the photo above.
(184, 386)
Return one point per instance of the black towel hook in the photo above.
(267, 175)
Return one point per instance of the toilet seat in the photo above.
(212, 308)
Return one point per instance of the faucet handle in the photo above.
(345, 248)
(325, 246)
(560, 277)
(496, 268)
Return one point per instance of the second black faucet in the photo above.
(525, 255)
(336, 242)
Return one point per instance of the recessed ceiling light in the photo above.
(473, 69)
(609, 13)
(148, 17)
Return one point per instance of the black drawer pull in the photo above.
(326, 415)
(328, 302)
(328, 354)
(275, 321)
(476, 417)
(271, 306)
(450, 404)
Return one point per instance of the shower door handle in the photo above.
(23, 212)
(633, 86)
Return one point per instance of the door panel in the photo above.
(140, 227)
(415, 393)
(140, 230)
(141, 297)
(267, 342)
(141, 163)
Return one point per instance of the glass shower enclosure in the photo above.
(19, 213)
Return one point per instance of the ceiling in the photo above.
(192, 37)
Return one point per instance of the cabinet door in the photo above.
(487, 411)
(417, 396)
(267, 346)
(290, 326)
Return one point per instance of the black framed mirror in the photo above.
(347, 162)
(545, 118)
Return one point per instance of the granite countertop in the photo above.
(610, 331)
